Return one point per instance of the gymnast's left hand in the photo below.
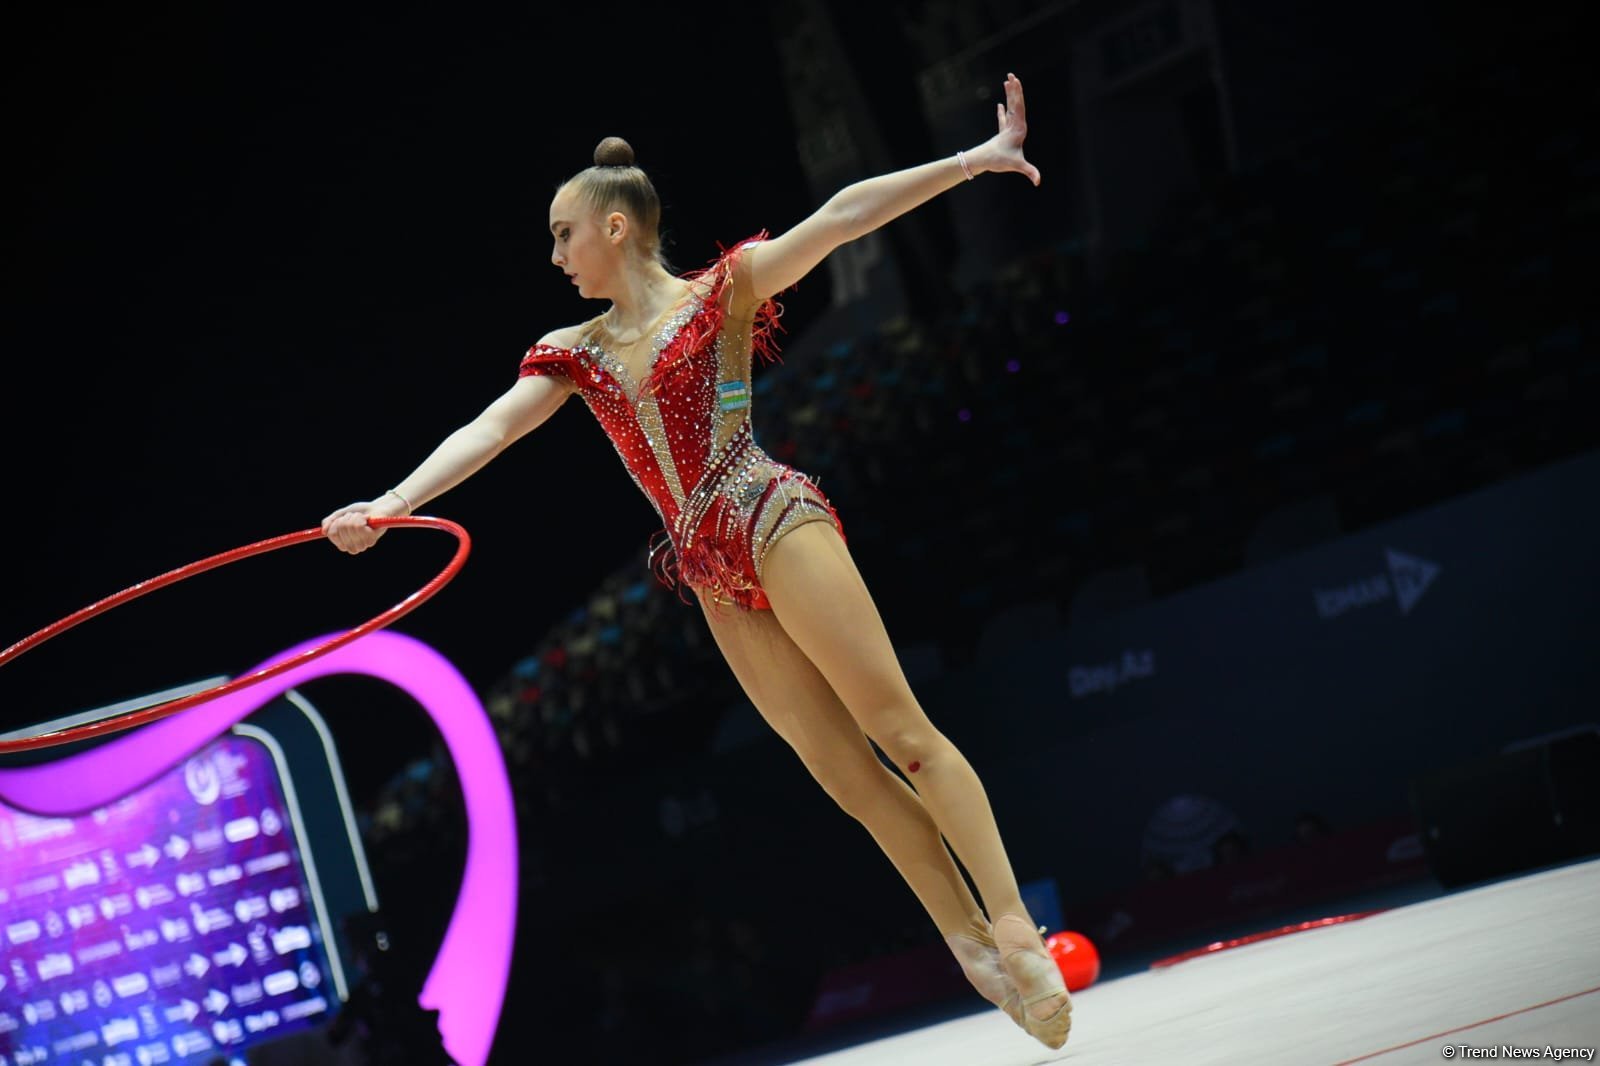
(1003, 151)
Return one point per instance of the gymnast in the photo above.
(666, 370)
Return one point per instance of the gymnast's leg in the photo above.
(822, 602)
(798, 703)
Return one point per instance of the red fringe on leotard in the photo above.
(703, 327)
(707, 565)
(710, 563)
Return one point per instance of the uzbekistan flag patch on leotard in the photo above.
(733, 395)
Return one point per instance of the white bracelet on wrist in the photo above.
(396, 494)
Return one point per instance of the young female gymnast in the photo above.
(666, 370)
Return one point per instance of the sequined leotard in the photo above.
(684, 435)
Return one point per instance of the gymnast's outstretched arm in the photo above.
(518, 411)
(858, 209)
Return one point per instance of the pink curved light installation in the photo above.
(467, 983)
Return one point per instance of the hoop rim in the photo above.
(134, 719)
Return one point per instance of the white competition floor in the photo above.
(1515, 962)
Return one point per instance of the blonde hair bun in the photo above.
(613, 152)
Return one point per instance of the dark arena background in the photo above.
(1230, 498)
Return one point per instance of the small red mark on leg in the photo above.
(914, 767)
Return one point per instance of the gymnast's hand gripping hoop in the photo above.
(134, 719)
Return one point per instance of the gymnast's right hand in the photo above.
(347, 527)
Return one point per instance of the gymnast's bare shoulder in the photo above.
(565, 337)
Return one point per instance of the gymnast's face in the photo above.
(586, 248)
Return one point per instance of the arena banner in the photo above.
(1318, 684)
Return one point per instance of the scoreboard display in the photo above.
(180, 924)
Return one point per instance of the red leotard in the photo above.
(685, 436)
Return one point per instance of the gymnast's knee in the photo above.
(912, 747)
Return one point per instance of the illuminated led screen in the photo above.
(177, 924)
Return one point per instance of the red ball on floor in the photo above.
(1076, 957)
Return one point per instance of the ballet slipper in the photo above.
(1027, 962)
(975, 950)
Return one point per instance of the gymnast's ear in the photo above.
(617, 226)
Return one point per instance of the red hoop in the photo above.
(132, 719)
